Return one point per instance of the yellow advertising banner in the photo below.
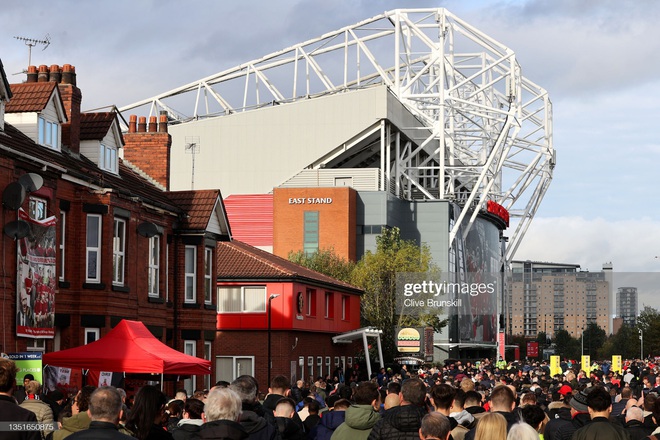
(555, 367)
(616, 363)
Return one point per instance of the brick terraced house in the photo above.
(89, 238)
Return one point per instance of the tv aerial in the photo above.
(31, 42)
(192, 147)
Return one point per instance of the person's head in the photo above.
(467, 384)
(366, 393)
(502, 399)
(279, 385)
(649, 400)
(442, 397)
(285, 408)
(313, 406)
(393, 388)
(175, 408)
(626, 393)
(528, 399)
(413, 392)
(81, 402)
(472, 398)
(634, 413)
(492, 426)
(435, 426)
(392, 400)
(246, 388)
(341, 405)
(181, 395)
(222, 404)
(148, 409)
(105, 405)
(522, 431)
(8, 372)
(533, 415)
(27, 378)
(33, 387)
(599, 401)
(193, 409)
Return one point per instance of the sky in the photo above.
(598, 60)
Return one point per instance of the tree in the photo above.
(567, 346)
(625, 343)
(649, 323)
(593, 338)
(376, 274)
(325, 261)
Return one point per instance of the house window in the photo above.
(108, 158)
(118, 251)
(49, 133)
(38, 208)
(311, 302)
(246, 299)
(208, 275)
(154, 266)
(191, 274)
(207, 355)
(329, 305)
(92, 335)
(62, 243)
(311, 234)
(345, 308)
(37, 345)
(190, 384)
(93, 248)
(229, 368)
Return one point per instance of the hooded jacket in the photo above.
(329, 422)
(288, 429)
(72, 424)
(358, 422)
(187, 429)
(222, 430)
(257, 427)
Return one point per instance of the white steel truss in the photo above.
(487, 130)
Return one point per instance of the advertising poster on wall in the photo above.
(29, 362)
(35, 302)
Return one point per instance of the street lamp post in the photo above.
(641, 344)
(270, 306)
(582, 342)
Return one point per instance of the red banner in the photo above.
(533, 349)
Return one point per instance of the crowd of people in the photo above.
(460, 401)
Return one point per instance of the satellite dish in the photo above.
(13, 196)
(17, 229)
(147, 229)
(31, 181)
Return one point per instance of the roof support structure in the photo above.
(485, 130)
(363, 333)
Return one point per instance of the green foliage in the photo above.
(325, 261)
(625, 343)
(376, 274)
(567, 346)
(649, 322)
(594, 338)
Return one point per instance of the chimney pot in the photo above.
(43, 73)
(32, 74)
(162, 122)
(152, 124)
(142, 124)
(68, 74)
(55, 74)
(132, 124)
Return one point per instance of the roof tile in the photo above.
(199, 205)
(30, 97)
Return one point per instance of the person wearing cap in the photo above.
(564, 429)
(599, 404)
(19, 392)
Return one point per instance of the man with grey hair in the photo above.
(104, 410)
(435, 425)
(635, 424)
(221, 413)
(256, 426)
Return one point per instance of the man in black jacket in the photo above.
(105, 411)
(403, 422)
(252, 417)
(502, 401)
(9, 410)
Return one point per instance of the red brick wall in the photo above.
(337, 220)
(150, 151)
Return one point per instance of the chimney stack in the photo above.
(32, 74)
(55, 74)
(148, 147)
(72, 99)
(43, 74)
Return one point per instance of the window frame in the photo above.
(91, 330)
(118, 255)
(310, 302)
(104, 150)
(153, 265)
(311, 226)
(93, 249)
(329, 305)
(62, 246)
(242, 298)
(190, 278)
(37, 205)
(208, 275)
(190, 384)
(48, 133)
